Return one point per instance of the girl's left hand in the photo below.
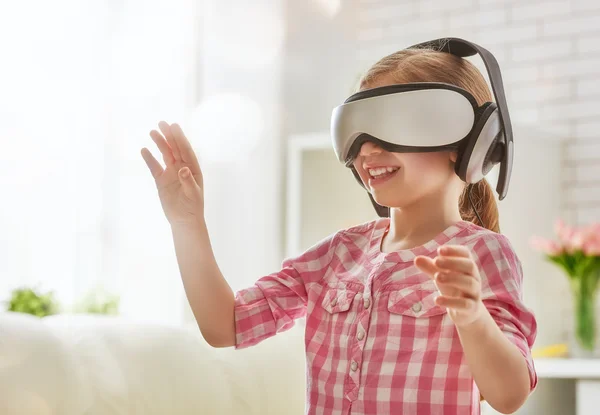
(457, 277)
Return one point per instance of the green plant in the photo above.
(98, 301)
(31, 301)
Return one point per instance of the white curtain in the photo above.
(81, 86)
(85, 83)
(236, 131)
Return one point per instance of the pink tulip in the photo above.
(564, 232)
(591, 239)
(592, 249)
(576, 241)
(547, 246)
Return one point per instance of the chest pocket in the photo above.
(334, 318)
(338, 300)
(415, 322)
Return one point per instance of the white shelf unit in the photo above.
(569, 369)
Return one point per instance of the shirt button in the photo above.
(417, 307)
(361, 335)
(334, 301)
(367, 303)
(354, 366)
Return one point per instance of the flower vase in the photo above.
(584, 289)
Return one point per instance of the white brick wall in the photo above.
(549, 52)
(533, 11)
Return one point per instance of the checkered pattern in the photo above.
(376, 343)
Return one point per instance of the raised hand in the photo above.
(457, 277)
(179, 182)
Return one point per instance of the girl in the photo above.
(418, 313)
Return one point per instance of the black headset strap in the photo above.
(463, 48)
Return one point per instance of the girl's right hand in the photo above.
(179, 183)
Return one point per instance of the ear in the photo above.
(453, 156)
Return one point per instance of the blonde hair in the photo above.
(429, 65)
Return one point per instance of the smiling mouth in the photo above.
(382, 172)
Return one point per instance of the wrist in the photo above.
(194, 226)
(480, 319)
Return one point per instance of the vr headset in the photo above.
(431, 116)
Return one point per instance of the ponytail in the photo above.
(484, 201)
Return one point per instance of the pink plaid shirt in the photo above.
(375, 341)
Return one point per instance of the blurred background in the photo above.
(253, 85)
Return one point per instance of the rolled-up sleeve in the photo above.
(502, 294)
(275, 301)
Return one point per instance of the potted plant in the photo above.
(32, 301)
(99, 301)
(577, 252)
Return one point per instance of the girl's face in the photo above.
(398, 180)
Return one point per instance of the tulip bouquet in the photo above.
(577, 253)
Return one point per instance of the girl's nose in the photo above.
(369, 149)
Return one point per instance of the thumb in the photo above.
(188, 183)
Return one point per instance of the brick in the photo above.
(437, 6)
(541, 50)
(571, 25)
(588, 44)
(584, 151)
(524, 115)
(508, 34)
(587, 129)
(387, 11)
(535, 10)
(572, 110)
(585, 5)
(432, 27)
(584, 195)
(540, 92)
(588, 215)
(553, 130)
(514, 74)
(487, 3)
(569, 174)
(477, 18)
(571, 68)
(588, 87)
(588, 172)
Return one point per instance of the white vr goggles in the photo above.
(431, 116)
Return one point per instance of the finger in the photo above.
(165, 128)
(457, 264)
(185, 148)
(155, 168)
(426, 265)
(466, 285)
(190, 188)
(454, 250)
(455, 303)
(163, 146)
